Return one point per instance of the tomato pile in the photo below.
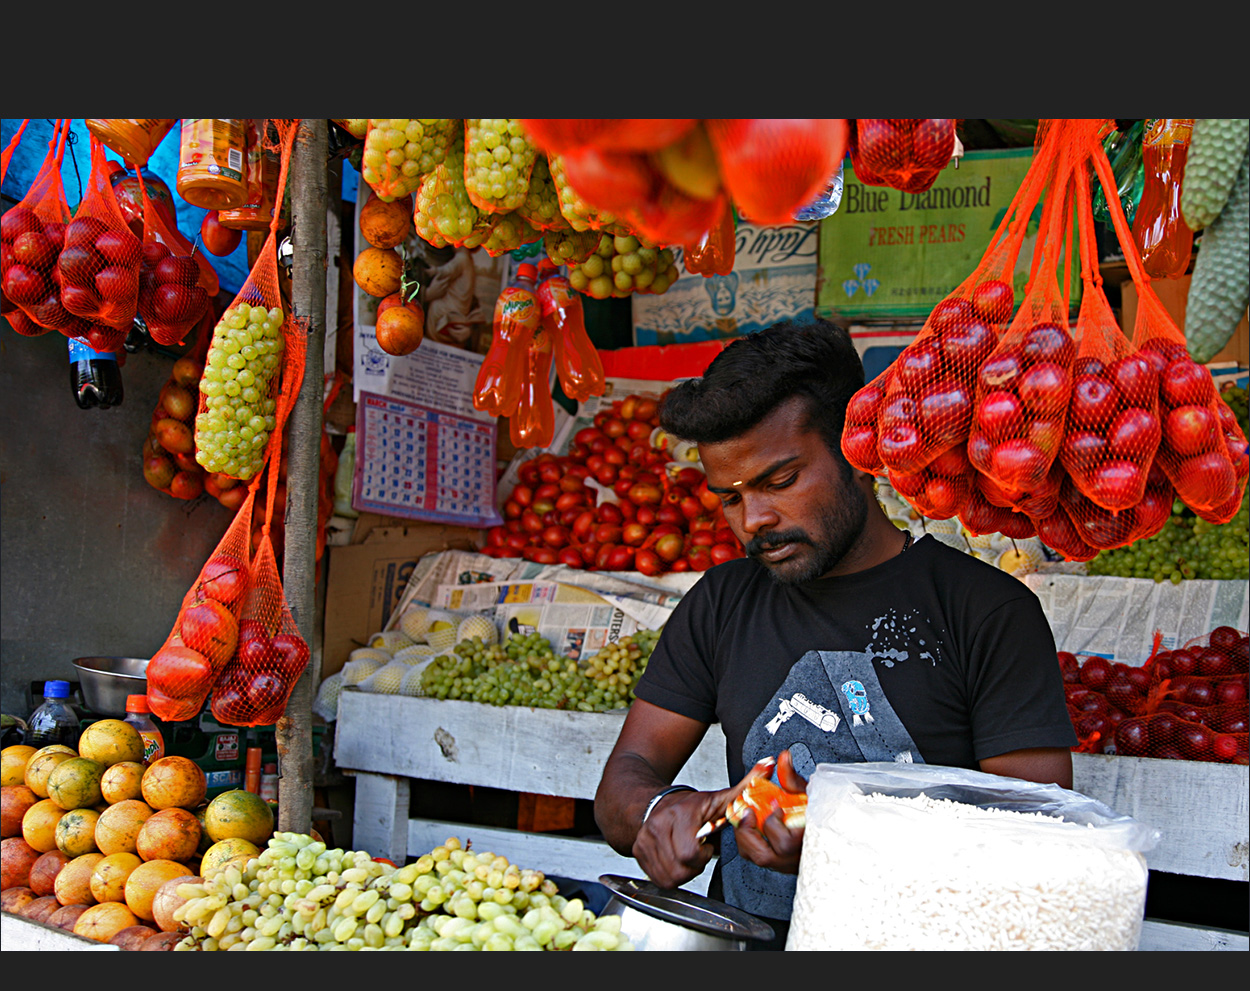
(615, 502)
(1184, 704)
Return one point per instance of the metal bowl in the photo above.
(656, 919)
(106, 681)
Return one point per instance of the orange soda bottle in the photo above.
(534, 424)
(517, 315)
(578, 364)
(1162, 236)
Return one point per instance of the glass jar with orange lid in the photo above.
(210, 163)
(133, 139)
(261, 177)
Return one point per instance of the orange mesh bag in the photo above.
(1203, 450)
(905, 153)
(174, 288)
(1100, 695)
(7, 155)
(1024, 387)
(206, 632)
(98, 267)
(398, 153)
(255, 350)
(253, 687)
(32, 234)
(912, 421)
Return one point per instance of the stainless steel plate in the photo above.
(686, 908)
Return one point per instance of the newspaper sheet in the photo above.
(1117, 618)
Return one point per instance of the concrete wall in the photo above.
(93, 561)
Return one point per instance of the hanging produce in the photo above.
(905, 153)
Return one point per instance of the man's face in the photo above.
(793, 505)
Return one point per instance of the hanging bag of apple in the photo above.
(175, 286)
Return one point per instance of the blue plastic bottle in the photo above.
(56, 721)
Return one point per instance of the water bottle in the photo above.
(827, 203)
(56, 721)
(94, 377)
(343, 476)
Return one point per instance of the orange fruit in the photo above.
(75, 832)
(75, 783)
(108, 880)
(118, 826)
(13, 761)
(39, 824)
(385, 225)
(104, 921)
(122, 781)
(174, 782)
(401, 329)
(146, 879)
(239, 814)
(110, 741)
(14, 801)
(19, 859)
(378, 271)
(223, 852)
(171, 834)
(73, 883)
(41, 766)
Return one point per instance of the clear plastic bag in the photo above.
(921, 856)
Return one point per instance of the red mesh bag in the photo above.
(905, 153)
(912, 421)
(253, 687)
(32, 234)
(1198, 708)
(98, 267)
(1203, 450)
(1100, 695)
(205, 635)
(255, 352)
(1024, 387)
(175, 284)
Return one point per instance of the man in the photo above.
(835, 640)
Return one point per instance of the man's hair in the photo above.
(756, 373)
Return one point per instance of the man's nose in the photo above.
(757, 514)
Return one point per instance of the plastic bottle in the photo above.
(517, 315)
(210, 163)
(260, 174)
(1162, 237)
(94, 377)
(55, 721)
(533, 424)
(577, 361)
(251, 773)
(269, 783)
(343, 477)
(139, 715)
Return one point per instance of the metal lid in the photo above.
(687, 909)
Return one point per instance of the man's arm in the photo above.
(653, 746)
(1045, 765)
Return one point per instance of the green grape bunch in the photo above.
(623, 264)
(300, 895)
(399, 153)
(498, 161)
(237, 414)
(525, 670)
(542, 202)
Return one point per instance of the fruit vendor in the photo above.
(836, 639)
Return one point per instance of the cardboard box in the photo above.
(1174, 295)
(366, 580)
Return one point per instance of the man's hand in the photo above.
(667, 848)
(773, 845)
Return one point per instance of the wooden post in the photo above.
(308, 292)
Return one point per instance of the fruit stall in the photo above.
(358, 568)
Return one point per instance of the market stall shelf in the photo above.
(17, 933)
(390, 740)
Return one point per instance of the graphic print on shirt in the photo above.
(894, 639)
(830, 709)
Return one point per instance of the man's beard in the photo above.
(842, 522)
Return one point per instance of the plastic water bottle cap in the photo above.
(56, 689)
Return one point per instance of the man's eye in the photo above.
(781, 483)
(729, 498)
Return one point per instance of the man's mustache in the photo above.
(761, 542)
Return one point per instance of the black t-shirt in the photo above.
(931, 657)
